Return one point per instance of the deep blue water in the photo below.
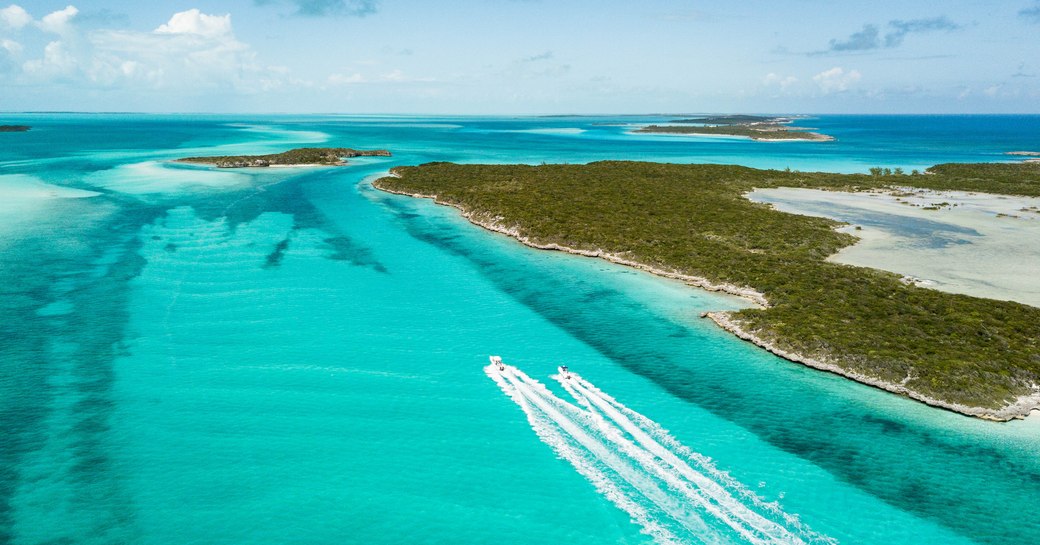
(288, 355)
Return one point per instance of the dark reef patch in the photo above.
(274, 258)
(347, 249)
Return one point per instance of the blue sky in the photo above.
(521, 56)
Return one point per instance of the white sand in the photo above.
(25, 201)
(21, 195)
(150, 177)
(985, 245)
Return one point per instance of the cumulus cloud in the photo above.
(870, 36)
(192, 51)
(326, 8)
(9, 51)
(195, 22)
(58, 62)
(14, 17)
(836, 80)
(783, 82)
(11, 46)
(59, 22)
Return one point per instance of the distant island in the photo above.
(1033, 156)
(294, 157)
(738, 119)
(14, 128)
(979, 357)
(749, 126)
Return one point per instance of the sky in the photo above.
(521, 56)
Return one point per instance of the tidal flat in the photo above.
(960, 242)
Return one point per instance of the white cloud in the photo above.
(14, 16)
(57, 62)
(59, 22)
(193, 52)
(342, 79)
(394, 76)
(195, 22)
(992, 90)
(777, 80)
(836, 80)
(11, 46)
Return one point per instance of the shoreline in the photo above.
(279, 165)
(810, 136)
(1021, 408)
(746, 293)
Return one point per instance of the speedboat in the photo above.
(563, 371)
(497, 362)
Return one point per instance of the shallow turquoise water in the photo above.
(288, 355)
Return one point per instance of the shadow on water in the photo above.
(274, 258)
(907, 467)
(77, 348)
(287, 197)
(347, 249)
(65, 359)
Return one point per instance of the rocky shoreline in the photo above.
(1021, 408)
(491, 225)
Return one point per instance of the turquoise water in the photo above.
(290, 356)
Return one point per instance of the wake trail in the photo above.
(571, 420)
(586, 467)
(675, 494)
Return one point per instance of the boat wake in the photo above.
(675, 494)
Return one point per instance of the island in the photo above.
(979, 357)
(756, 131)
(1032, 156)
(294, 157)
(14, 128)
(736, 119)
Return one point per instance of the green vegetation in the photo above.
(739, 119)
(694, 219)
(14, 128)
(299, 156)
(755, 132)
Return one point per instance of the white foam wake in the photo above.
(673, 493)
